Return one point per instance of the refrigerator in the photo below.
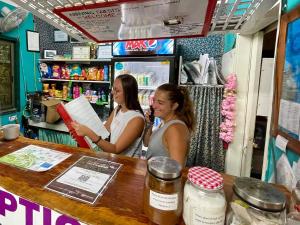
(151, 62)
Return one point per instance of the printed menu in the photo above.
(86, 179)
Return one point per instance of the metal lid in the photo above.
(164, 167)
(259, 194)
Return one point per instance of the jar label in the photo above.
(200, 217)
(163, 201)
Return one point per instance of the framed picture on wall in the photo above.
(60, 36)
(81, 52)
(287, 83)
(33, 41)
(49, 54)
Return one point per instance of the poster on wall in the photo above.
(289, 113)
(131, 20)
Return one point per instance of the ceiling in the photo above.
(240, 16)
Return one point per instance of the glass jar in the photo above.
(163, 191)
(256, 202)
(204, 200)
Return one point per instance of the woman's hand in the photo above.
(148, 117)
(80, 129)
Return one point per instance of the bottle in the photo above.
(99, 96)
(65, 91)
(101, 73)
(204, 199)
(105, 73)
(163, 191)
(103, 96)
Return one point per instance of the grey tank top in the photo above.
(156, 146)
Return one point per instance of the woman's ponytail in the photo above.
(180, 95)
(186, 113)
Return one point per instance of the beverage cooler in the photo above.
(151, 62)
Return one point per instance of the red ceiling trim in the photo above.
(209, 15)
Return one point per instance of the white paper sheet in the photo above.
(296, 169)
(285, 175)
(281, 142)
(289, 116)
(81, 111)
(84, 179)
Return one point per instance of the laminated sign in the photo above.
(132, 20)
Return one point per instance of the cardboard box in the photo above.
(51, 114)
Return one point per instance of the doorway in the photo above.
(264, 104)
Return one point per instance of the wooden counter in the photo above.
(121, 203)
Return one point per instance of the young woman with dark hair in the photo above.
(125, 123)
(173, 106)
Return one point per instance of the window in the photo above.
(8, 75)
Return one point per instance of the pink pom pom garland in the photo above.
(228, 110)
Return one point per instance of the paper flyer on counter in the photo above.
(34, 158)
(86, 179)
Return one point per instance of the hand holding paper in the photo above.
(81, 110)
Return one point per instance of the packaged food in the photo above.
(56, 71)
(75, 72)
(45, 70)
(92, 73)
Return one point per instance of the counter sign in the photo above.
(17, 210)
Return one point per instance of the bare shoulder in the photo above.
(137, 120)
(177, 130)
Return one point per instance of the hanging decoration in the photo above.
(228, 110)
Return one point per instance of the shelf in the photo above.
(145, 107)
(75, 60)
(59, 126)
(79, 81)
(147, 87)
(68, 100)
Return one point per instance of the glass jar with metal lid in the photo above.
(204, 200)
(256, 202)
(163, 191)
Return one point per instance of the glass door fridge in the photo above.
(151, 62)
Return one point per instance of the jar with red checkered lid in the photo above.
(204, 200)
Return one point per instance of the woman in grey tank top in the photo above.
(173, 106)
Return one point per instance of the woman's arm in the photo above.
(132, 131)
(148, 129)
(147, 135)
(176, 139)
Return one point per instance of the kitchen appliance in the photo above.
(151, 62)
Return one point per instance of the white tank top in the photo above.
(117, 126)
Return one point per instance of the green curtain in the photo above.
(206, 148)
(56, 137)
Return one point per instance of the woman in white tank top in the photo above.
(125, 123)
(172, 104)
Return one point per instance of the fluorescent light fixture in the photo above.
(32, 6)
(40, 4)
